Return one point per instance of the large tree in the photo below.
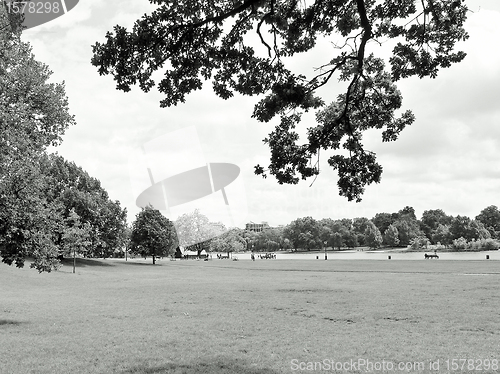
(303, 233)
(152, 234)
(464, 227)
(490, 218)
(373, 236)
(359, 226)
(384, 220)
(33, 115)
(245, 46)
(391, 236)
(230, 241)
(72, 188)
(408, 229)
(431, 220)
(195, 227)
(407, 224)
(442, 235)
(337, 233)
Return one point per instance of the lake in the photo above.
(376, 255)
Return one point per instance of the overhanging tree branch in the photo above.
(178, 33)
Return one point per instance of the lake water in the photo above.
(376, 255)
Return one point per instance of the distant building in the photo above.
(257, 227)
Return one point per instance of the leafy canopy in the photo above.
(33, 115)
(44, 199)
(230, 241)
(195, 227)
(221, 41)
(73, 189)
(152, 234)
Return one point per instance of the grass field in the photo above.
(249, 317)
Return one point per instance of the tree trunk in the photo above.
(154, 259)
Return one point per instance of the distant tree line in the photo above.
(399, 229)
(153, 235)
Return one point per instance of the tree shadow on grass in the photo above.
(219, 366)
(92, 262)
(9, 322)
(141, 263)
(84, 262)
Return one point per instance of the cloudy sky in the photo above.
(448, 159)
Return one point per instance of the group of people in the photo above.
(263, 256)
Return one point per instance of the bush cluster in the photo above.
(419, 242)
(476, 245)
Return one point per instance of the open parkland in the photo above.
(292, 314)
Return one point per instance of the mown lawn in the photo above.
(246, 317)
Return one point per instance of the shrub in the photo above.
(490, 244)
(459, 243)
(436, 247)
(476, 245)
(419, 243)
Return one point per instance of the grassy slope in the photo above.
(245, 317)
